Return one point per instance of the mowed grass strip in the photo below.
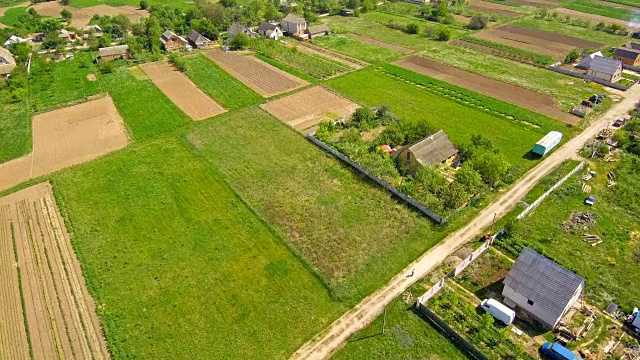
(357, 49)
(351, 231)
(15, 132)
(147, 112)
(410, 102)
(224, 88)
(180, 267)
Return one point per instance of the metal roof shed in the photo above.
(547, 143)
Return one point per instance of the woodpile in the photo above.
(579, 220)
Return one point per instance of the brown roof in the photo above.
(433, 149)
(317, 29)
(113, 50)
(7, 62)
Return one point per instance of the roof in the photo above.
(236, 28)
(293, 18)
(586, 60)
(7, 62)
(563, 351)
(168, 35)
(605, 65)
(316, 29)
(433, 149)
(113, 50)
(196, 37)
(94, 27)
(551, 139)
(14, 39)
(634, 45)
(626, 53)
(549, 285)
(266, 26)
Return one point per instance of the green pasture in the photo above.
(360, 50)
(602, 8)
(11, 17)
(15, 131)
(224, 88)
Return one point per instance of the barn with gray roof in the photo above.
(541, 288)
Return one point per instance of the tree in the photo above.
(64, 2)
(51, 40)
(392, 136)
(239, 41)
(368, 5)
(66, 15)
(363, 118)
(271, 12)
(443, 33)
(144, 4)
(20, 51)
(178, 61)
(478, 22)
(490, 166)
(454, 196)
(352, 4)
(572, 57)
(440, 11)
(469, 179)
(412, 28)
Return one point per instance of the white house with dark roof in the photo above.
(541, 288)
(269, 30)
(605, 68)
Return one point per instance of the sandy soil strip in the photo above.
(510, 93)
(179, 89)
(263, 78)
(381, 43)
(67, 137)
(305, 109)
(60, 314)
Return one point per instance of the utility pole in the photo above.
(384, 320)
(493, 222)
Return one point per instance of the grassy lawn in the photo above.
(11, 16)
(458, 121)
(601, 8)
(147, 112)
(179, 265)
(366, 52)
(350, 231)
(407, 336)
(15, 131)
(575, 31)
(224, 88)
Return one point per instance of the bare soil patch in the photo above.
(381, 43)
(536, 3)
(92, 77)
(182, 91)
(462, 19)
(594, 18)
(492, 8)
(67, 137)
(305, 109)
(539, 41)
(540, 103)
(82, 16)
(263, 78)
(60, 314)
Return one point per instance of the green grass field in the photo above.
(357, 49)
(136, 3)
(601, 8)
(15, 131)
(458, 121)
(11, 16)
(575, 31)
(225, 89)
(179, 265)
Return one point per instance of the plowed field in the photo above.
(305, 109)
(179, 89)
(66, 137)
(263, 78)
(44, 301)
(539, 41)
(81, 17)
(492, 8)
(513, 94)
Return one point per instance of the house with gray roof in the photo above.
(269, 30)
(432, 150)
(7, 62)
(197, 40)
(317, 30)
(605, 68)
(293, 24)
(237, 28)
(629, 56)
(541, 288)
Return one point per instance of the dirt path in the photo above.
(366, 311)
(182, 91)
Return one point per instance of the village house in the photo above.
(628, 56)
(432, 150)
(37, 38)
(14, 40)
(317, 30)
(94, 30)
(542, 289)
(605, 68)
(197, 40)
(586, 60)
(171, 41)
(269, 30)
(113, 52)
(293, 24)
(237, 28)
(7, 62)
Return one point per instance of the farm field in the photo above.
(45, 307)
(180, 265)
(570, 30)
(539, 41)
(305, 109)
(316, 203)
(215, 82)
(15, 132)
(601, 8)
(527, 99)
(493, 8)
(594, 18)
(263, 78)
(182, 92)
(66, 137)
(459, 122)
(536, 3)
(82, 16)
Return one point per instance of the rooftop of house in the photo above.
(7, 62)
(605, 65)
(267, 26)
(113, 50)
(320, 28)
(433, 149)
(539, 279)
(196, 37)
(627, 53)
(293, 18)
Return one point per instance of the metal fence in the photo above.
(416, 205)
(588, 77)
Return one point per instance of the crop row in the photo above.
(511, 52)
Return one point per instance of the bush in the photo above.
(443, 34)
(478, 22)
(178, 61)
(106, 67)
(239, 41)
(144, 4)
(572, 57)
(412, 28)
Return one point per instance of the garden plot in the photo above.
(184, 93)
(536, 3)
(305, 109)
(539, 41)
(595, 18)
(540, 103)
(492, 8)
(265, 79)
(81, 17)
(66, 137)
(45, 307)
(381, 43)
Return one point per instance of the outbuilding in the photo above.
(113, 52)
(547, 143)
(432, 150)
(197, 40)
(541, 288)
(317, 30)
(629, 56)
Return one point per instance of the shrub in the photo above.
(572, 57)
(178, 62)
(478, 22)
(412, 28)
(239, 41)
(443, 33)
(144, 4)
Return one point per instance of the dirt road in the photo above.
(366, 311)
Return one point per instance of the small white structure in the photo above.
(547, 143)
(541, 288)
(269, 30)
(499, 311)
(14, 40)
